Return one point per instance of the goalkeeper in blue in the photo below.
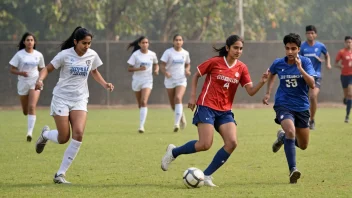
(296, 75)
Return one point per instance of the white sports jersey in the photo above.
(28, 62)
(73, 84)
(175, 62)
(139, 59)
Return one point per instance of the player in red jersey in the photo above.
(345, 56)
(224, 73)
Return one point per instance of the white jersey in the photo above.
(28, 62)
(175, 62)
(73, 84)
(139, 59)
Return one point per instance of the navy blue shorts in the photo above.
(216, 118)
(300, 119)
(317, 81)
(345, 81)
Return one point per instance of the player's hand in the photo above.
(192, 103)
(156, 71)
(187, 72)
(142, 68)
(110, 87)
(298, 62)
(319, 59)
(25, 74)
(328, 65)
(266, 99)
(167, 75)
(339, 66)
(265, 77)
(39, 85)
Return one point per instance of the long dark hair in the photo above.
(78, 34)
(135, 43)
(176, 35)
(21, 44)
(229, 41)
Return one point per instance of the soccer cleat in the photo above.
(208, 181)
(60, 179)
(176, 128)
(168, 157)
(41, 142)
(294, 175)
(311, 125)
(183, 121)
(141, 130)
(279, 141)
(29, 138)
(347, 119)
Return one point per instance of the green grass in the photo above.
(116, 161)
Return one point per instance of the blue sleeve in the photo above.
(272, 68)
(323, 49)
(308, 67)
(301, 51)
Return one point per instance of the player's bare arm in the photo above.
(42, 75)
(271, 80)
(192, 100)
(15, 71)
(327, 60)
(97, 77)
(309, 79)
(156, 69)
(252, 90)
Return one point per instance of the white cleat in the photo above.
(141, 130)
(60, 179)
(183, 121)
(168, 157)
(176, 128)
(41, 142)
(208, 181)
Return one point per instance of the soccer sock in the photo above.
(51, 135)
(348, 107)
(290, 151)
(188, 148)
(178, 113)
(69, 156)
(142, 116)
(31, 123)
(219, 159)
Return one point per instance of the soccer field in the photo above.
(116, 161)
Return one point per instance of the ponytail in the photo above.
(229, 41)
(135, 44)
(78, 34)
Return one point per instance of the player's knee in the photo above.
(231, 145)
(63, 140)
(303, 146)
(143, 103)
(204, 146)
(178, 100)
(25, 112)
(31, 109)
(349, 96)
(78, 135)
(313, 97)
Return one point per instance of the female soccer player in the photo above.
(25, 64)
(142, 63)
(296, 74)
(70, 96)
(345, 56)
(175, 65)
(224, 73)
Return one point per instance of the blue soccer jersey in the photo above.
(292, 92)
(313, 53)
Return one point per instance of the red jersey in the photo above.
(346, 60)
(221, 83)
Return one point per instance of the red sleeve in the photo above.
(205, 67)
(339, 56)
(245, 77)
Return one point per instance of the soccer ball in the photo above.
(193, 178)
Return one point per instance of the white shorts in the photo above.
(138, 85)
(62, 107)
(23, 87)
(173, 83)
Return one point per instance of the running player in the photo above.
(175, 65)
(143, 62)
(345, 56)
(296, 74)
(26, 63)
(70, 96)
(313, 49)
(224, 73)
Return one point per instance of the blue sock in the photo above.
(219, 159)
(187, 148)
(348, 107)
(290, 151)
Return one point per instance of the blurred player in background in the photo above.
(313, 50)
(27, 63)
(296, 74)
(345, 56)
(175, 65)
(143, 63)
(70, 96)
(223, 75)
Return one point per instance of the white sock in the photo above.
(31, 123)
(143, 111)
(69, 156)
(178, 113)
(52, 135)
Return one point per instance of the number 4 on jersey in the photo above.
(226, 85)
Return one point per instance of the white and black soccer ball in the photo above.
(193, 178)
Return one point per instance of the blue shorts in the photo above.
(346, 80)
(300, 119)
(317, 81)
(216, 118)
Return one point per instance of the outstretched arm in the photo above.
(97, 77)
(252, 90)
